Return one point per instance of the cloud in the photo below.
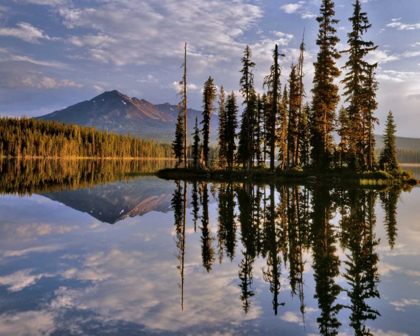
(25, 32)
(148, 79)
(38, 249)
(190, 87)
(52, 64)
(298, 8)
(211, 28)
(97, 88)
(396, 23)
(36, 323)
(44, 2)
(20, 280)
(45, 82)
(291, 8)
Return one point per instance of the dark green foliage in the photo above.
(325, 92)
(355, 86)
(388, 160)
(196, 145)
(30, 138)
(207, 250)
(389, 200)
(304, 136)
(272, 82)
(178, 144)
(294, 114)
(230, 130)
(222, 143)
(245, 153)
(209, 95)
(343, 130)
(282, 126)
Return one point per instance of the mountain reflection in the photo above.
(282, 224)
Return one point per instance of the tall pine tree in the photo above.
(325, 92)
(388, 160)
(230, 129)
(209, 95)
(222, 144)
(245, 150)
(272, 82)
(196, 145)
(354, 87)
(178, 143)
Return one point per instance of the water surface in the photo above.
(92, 248)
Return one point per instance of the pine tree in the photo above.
(325, 92)
(282, 126)
(230, 130)
(370, 88)
(354, 86)
(222, 144)
(246, 135)
(343, 130)
(182, 106)
(272, 82)
(304, 136)
(388, 160)
(209, 95)
(293, 125)
(178, 144)
(196, 145)
(258, 130)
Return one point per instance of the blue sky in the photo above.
(55, 53)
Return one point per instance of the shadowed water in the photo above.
(201, 258)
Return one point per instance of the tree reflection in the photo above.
(283, 224)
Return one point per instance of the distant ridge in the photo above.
(116, 112)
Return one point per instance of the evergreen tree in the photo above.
(246, 134)
(293, 125)
(343, 130)
(370, 88)
(182, 106)
(230, 130)
(282, 130)
(354, 86)
(388, 160)
(325, 92)
(272, 82)
(304, 136)
(209, 95)
(259, 129)
(178, 144)
(196, 145)
(222, 145)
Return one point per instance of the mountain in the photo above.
(119, 113)
(114, 202)
(401, 143)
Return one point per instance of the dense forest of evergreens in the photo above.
(24, 177)
(30, 138)
(280, 127)
(280, 226)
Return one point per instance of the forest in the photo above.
(25, 137)
(286, 126)
(284, 225)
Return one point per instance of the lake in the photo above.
(94, 248)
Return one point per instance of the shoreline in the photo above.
(336, 177)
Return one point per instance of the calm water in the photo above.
(142, 256)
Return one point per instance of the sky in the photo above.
(56, 53)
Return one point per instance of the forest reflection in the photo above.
(22, 177)
(282, 224)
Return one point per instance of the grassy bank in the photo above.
(307, 176)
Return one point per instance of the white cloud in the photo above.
(291, 8)
(36, 323)
(20, 280)
(190, 87)
(45, 2)
(52, 64)
(97, 88)
(45, 82)
(403, 26)
(38, 249)
(148, 79)
(25, 32)
(210, 28)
